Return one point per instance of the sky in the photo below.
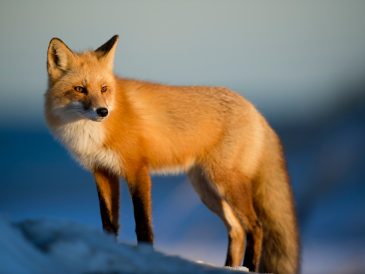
(288, 57)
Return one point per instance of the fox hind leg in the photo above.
(229, 195)
(217, 204)
(238, 194)
(253, 249)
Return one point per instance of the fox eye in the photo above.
(104, 89)
(80, 89)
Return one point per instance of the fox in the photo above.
(118, 127)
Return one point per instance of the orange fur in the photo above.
(229, 151)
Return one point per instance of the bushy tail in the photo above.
(275, 206)
(280, 249)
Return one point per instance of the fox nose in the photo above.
(102, 112)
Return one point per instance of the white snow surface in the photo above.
(44, 246)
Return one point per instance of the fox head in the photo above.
(81, 85)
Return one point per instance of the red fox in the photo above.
(117, 127)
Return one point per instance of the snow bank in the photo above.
(45, 246)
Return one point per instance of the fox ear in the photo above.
(106, 52)
(59, 58)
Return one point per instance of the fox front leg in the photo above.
(108, 192)
(139, 184)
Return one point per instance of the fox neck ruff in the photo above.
(85, 140)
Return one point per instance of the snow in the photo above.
(45, 246)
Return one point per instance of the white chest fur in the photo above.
(85, 141)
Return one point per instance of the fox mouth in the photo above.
(97, 119)
(98, 114)
(75, 112)
(93, 115)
